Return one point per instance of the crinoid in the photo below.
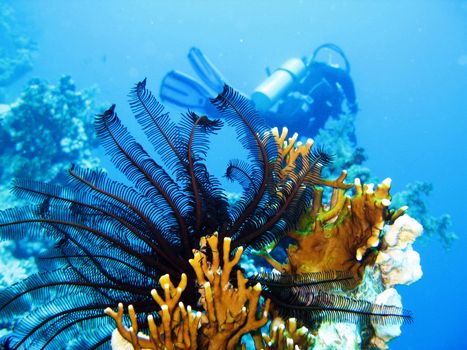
(113, 241)
(317, 296)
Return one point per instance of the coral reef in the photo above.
(415, 196)
(17, 50)
(116, 242)
(338, 135)
(13, 270)
(42, 134)
(58, 119)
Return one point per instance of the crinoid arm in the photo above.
(141, 247)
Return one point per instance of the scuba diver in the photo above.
(299, 94)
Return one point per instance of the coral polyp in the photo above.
(152, 242)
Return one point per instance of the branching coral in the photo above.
(114, 240)
(230, 312)
(179, 325)
(289, 151)
(341, 234)
(286, 335)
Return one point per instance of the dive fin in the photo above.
(182, 90)
(206, 70)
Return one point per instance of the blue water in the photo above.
(409, 64)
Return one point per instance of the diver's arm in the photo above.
(341, 77)
(349, 91)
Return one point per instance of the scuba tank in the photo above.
(278, 84)
(291, 72)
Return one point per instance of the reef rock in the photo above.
(338, 336)
(399, 262)
(12, 269)
(384, 333)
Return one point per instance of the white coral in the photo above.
(120, 343)
(399, 263)
(338, 336)
(384, 333)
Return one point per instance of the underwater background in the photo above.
(409, 65)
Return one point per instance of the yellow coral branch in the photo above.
(230, 312)
(286, 335)
(178, 328)
(289, 150)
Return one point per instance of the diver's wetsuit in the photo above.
(318, 96)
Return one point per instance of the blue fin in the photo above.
(206, 70)
(182, 90)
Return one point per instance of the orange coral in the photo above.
(336, 236)
(285, 335)
(179, 324)
(339, 235)
(289, 150)
(230, 312)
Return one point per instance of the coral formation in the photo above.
(179, 328)
(415, 197)
(338, 336)
(384, 333)
(229, 312)
(58, 119)
(342, 236)
(399, 262)
(42, 133)
(339, 235)
(17, 50)
(286, 335)
(115, 242)
(338, 135)
(377, 286)
(13, 270)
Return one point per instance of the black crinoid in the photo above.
(316, 297)
(113, 241)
